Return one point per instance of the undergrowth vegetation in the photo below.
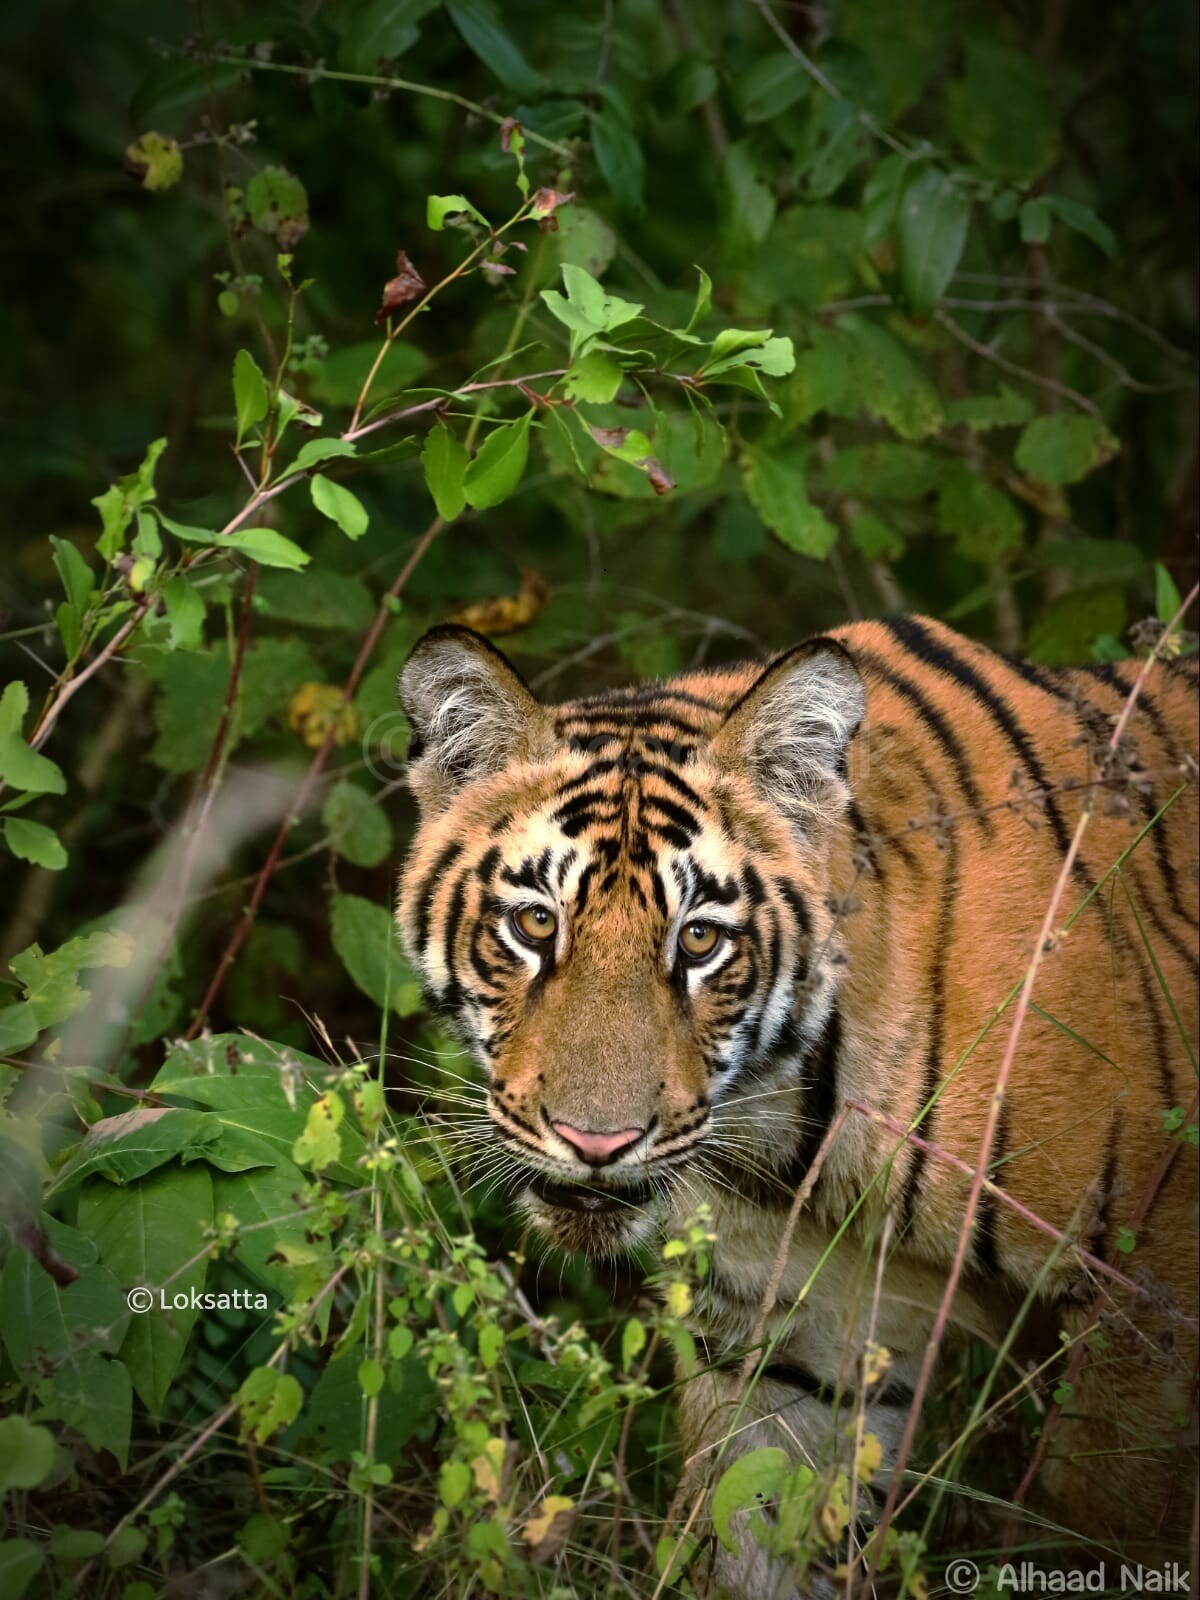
(642, 336)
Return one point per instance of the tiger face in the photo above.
(620, 903)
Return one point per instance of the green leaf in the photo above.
(315, 599)
(357, 825)
(1069, 626)
(930, 234)
(834, 143)
(776, 487)
(277, 205)
(985, 523)
(261, 1093)
(33, 842)
(368, 942)
(1003, 111)
(479, 23)
(124, 1148)
(43, 1320)
(264, 545)
(703, 304)
(1064, 447)
(23, 768)
(149, 1235)
(444, 461)
(370, 1377)
(18, 1028)
(633, 1342)
(749, 1482)
(748, 202)
(155, 160)
(770, 86)
(1082, 219)
(1008, 409)
(14, 703)
(1167, 599)
(380, 30)
(49, 980)
(881, 197)
(118, 504)
(491, 1343)
(20, 1563)
(268, 1400)
(75, 573)
(453, 1482)
(440, 206)
(316, 450)
(251, 397)
(1035, 222)
(619, 157)
(274, 1244)
(340, 506)
(499, 464)
(344, 371)
(874, 537)
(595, 378)
(26, 1455)
(185, 614)
(891, 471)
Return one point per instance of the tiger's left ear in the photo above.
(471, 713)
(792, 728)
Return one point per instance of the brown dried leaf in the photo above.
(506, 613)
(408, 284)
(610, 438)
(547, 201)
(547, 1529)
(508, 127)
(661, 480)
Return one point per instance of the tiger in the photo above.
(756, 929)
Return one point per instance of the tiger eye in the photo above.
(699, 939)
(535, 924)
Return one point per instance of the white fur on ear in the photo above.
(470, 712)
(792, 729)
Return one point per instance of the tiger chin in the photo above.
(702, 934)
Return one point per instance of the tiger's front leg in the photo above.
(776, 1527)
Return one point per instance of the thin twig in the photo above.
(1026, 374)
(314, 74)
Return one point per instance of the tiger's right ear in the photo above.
(471, 714)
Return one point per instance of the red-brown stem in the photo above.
(53, 711)
(996, 1105)
(308, 782)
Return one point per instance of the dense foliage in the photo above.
(641, 336)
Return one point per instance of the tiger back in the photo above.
(705, 933)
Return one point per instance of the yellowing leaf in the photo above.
(315, 708)
(540, 1528)
(506, 613)
(155, 161)
(679, 1300)
(489, 1469)
(320, 1143)
(868, 1458)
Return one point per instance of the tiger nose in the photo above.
(596, 1148)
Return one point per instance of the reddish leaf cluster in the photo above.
(408, 284)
